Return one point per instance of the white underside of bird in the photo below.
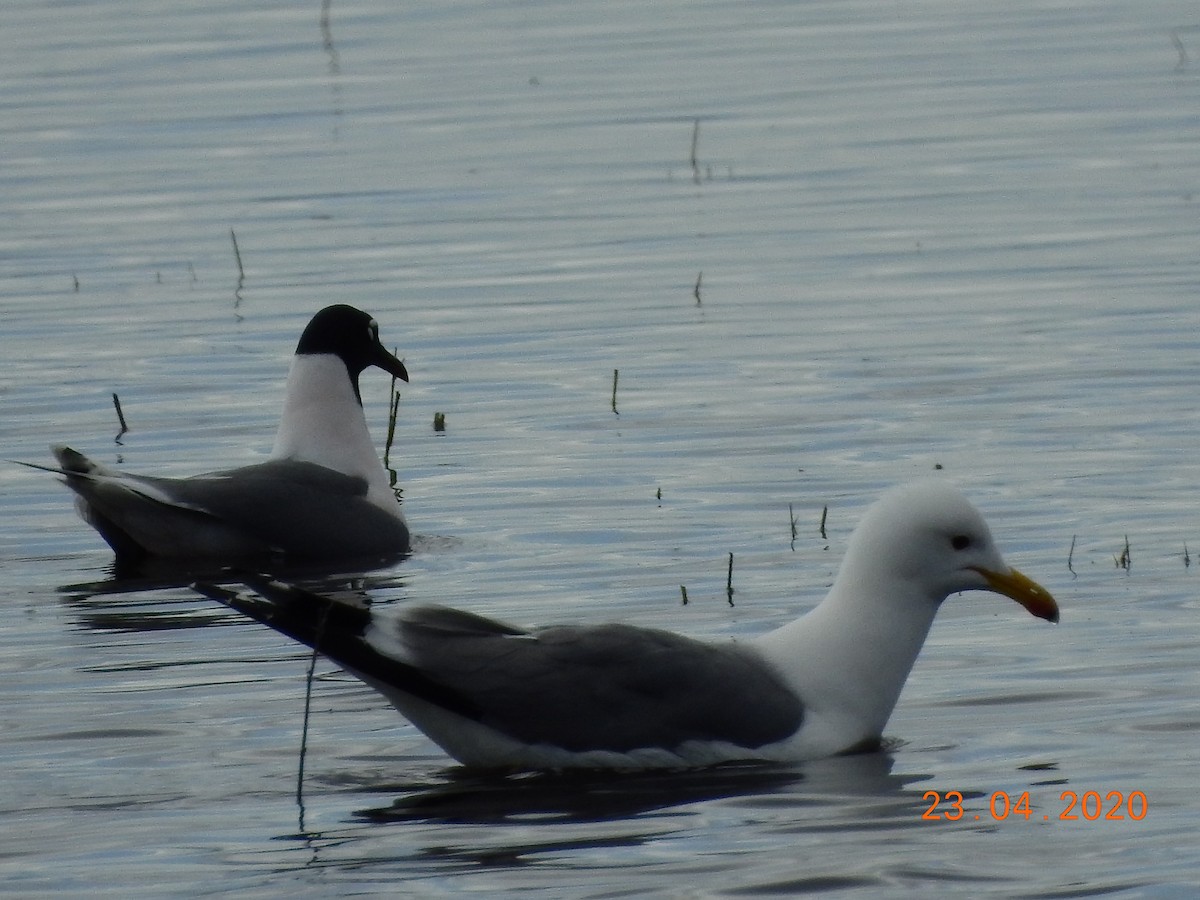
(323, 423)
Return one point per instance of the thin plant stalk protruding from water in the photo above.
(729, 581)
(821, 528)
(1070, 555)
(327, 38)
(393, 415)
(695, 141)
(120, 417)
(616, 375)
(696, 288)
(237, 256)
(241, 281)
(792, 517)
(683, 593)
(1177, 40)
(1125, 560)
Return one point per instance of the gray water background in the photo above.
(925, 234)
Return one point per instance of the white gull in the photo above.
(619, 696)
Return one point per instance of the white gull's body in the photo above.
(322, 495)
(618, 696)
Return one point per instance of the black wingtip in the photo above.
(310, 618)
(335, 628)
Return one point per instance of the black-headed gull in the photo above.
(323, 494)
(618, 696)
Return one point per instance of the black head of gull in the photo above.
(323, 494)
(493, 695)
(353, 337)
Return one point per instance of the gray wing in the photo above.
(284, 506)
(299, 507)
(607, 687)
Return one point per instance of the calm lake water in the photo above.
(915, 235)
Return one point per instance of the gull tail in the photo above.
(337, 629)
(314, 620)
(71, 464)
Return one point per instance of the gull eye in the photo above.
(960, 542)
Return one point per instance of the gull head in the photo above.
(929, 536)
(353, 336)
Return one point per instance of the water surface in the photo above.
(923, 235)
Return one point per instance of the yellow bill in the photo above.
(1024, 590)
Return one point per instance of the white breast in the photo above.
(323, 423)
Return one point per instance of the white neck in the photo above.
(855, 649)
(323, 423)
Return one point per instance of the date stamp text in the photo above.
(1073, 806)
